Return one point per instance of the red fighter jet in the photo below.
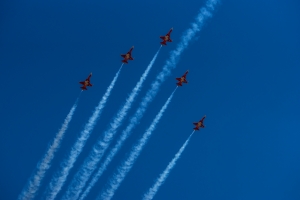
(86, 82)
(199, 124)
(127, 56)
(182, 79)
(166, 38)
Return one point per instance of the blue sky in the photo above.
(244, 75)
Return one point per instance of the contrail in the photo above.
(153, 190)
(125, 167)
(125, 134)
(100, 147)
(60, 177)
(35, 180)
(170, 64)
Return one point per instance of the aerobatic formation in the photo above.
(87, 175)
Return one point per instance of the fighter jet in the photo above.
(199, 124)
(166, 38)
(182, 79)
(127, 56)
(86, 82)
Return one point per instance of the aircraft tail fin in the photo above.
(163, 43)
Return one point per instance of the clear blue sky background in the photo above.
(244, 75)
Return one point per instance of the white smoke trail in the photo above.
(60, 177)
(171, 63)
(125, 134)
(35, 180)
(100, 147)
(125, 167)
(204, 13)
(163, 176)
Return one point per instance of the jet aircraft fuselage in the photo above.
(166, 38)
(127, 56)
(86, 82)
(199, 124)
